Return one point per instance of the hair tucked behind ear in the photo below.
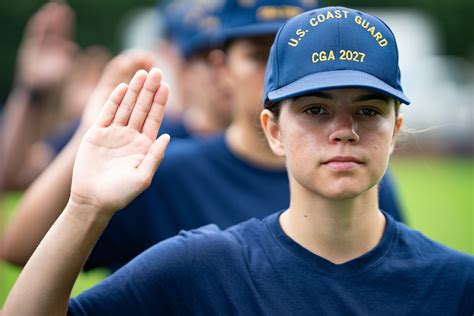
(273, 107)
(397, 108)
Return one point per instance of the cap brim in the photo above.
(336, 79)
(250, 30)
(208, 40)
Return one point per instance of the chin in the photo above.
(344, 190)
(342, 195)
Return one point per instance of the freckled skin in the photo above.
(310, 140)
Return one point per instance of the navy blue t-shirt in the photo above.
(200, 181)
(255, 268)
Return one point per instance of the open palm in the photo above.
(119, 153)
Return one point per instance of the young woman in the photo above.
(331, 252)
(222, 183)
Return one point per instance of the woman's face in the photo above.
(336, 143)
(202, 91)
(246, 63)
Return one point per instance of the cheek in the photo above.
(248, 78)
(303, 145)
(378, 145)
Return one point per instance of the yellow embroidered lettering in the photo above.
(371, 30)
(322, 56)
(329, 15)
(350, 55)
(300, 33)
(293, 42)
(321, 18)
(378, 36)
(331, 55)
(358, 19)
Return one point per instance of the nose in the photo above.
(344, 130)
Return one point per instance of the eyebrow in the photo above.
(321, 95)
(372, 96)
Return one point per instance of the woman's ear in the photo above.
(271, 128)
(396, 131)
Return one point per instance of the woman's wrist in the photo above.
(87, 213)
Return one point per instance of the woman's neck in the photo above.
(337, 230)
(246, 140)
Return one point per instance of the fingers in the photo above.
(128, 102)
(155, 116)
(109, 110)
(141, 106)
(145, 100)
(154, 156)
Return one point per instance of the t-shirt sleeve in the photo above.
(388, 198)
(155, 282)
(58, 141)
(123, 239)
(467, 302)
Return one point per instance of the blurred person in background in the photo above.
(225, 173)
(52, 83)
(44, 58)
(54, 183)
(199, 106)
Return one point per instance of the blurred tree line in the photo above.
(97, 23)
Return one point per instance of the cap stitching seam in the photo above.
(277, 72)
(338, 40)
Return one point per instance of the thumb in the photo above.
(154, 156)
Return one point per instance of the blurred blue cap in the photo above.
(205, 24)
(331, 48)
(172, 15)
(247, 18)
(189, 24)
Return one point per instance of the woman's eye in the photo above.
(315, 110)
(260, 57)
(367, 112)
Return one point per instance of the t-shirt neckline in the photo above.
(352, 268)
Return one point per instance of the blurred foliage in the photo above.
(97, 23)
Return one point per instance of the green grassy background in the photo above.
(437, 195)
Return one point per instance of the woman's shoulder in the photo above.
(430, 250)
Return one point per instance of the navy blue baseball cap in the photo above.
(243, 18)
(331, 48)
(171, 15)
(190, 24)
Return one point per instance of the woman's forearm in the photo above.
(40, 206)
(45, 283)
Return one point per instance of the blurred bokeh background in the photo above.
(433, 164)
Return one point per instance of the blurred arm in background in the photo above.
(44, 58)
(44, 200)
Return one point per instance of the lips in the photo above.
(342, 163)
